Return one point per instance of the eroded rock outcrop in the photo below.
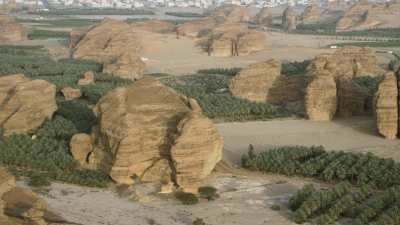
(289, 20)
(115, 44)
(25, 103)
(365, 15)
(71, 93)
(386, 100)
(345, 65)
(20, 206)
(10, 30)
(255, 81)
(320, 99)
(149, 132)
(311, 14)
(264, 17)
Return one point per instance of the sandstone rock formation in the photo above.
(129, 66)
(25, 103)
(80, 147)
(232, 39)
(344, 66)
(365, 15)
(154, 25)
(150, 132)
(195, 27)
(255, 81)
(114, 43)
(76, 35)
(347, 62)
(10, 30)
(20, 206)
(387, 114)
(320, 99)
(311, 14)
(289, 20)
(264, 17)
(88, 78)
(71, 93)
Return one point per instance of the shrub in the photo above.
(275, 207)
(45, 34)
(208, 192)
(221, 71)
(295, 68)
(186, 198)
(199, 221)
(58, 128)
(38, 180)
(78, 113)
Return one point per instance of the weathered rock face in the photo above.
(320, 99)
(128, 66)
(289, 20)
(19, 206)
(25, 103)
(80, 147)
(157, 26)
(347, 62)
(148, 131)
(264, 17)
(115, 44)
(71, 93)
(311, 14)
(255, 81)
(76, 35)
(88, 78)
(352, 100)
(365, 15)
(387, 114)
(232, 39)
(10, 30)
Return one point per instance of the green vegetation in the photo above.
(330, 29)
(368, 84)
(295, 68)
(88, 12)
(221, 71)
(335, 166)
(364, 205)
(208, 192)
(211, 92)
(46, 34)
(45, 156)
(184, 14)
(186, 198)
(373, 44)
(61, 22)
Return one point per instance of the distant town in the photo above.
(126, 4)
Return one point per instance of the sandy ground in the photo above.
(356, 134)
(243, 201)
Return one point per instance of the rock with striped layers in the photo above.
(386, 100)
(149, 132)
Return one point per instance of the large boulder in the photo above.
(289, 20)
(25, 103)
(366, 15)
(255, 81)
(149, 132)
(386, 99)
(115, 44)
(10, 30)
(232, 39)
(320, 99)
(311, 14)
(20, 206)
(346, 62)
(264, 17)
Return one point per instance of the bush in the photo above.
(186, 198)
(78, 113)
(208, 192)
(295, 68)
(220, 71)
(45, 34)
(59, 128)
(38, 180)
(199, 221)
